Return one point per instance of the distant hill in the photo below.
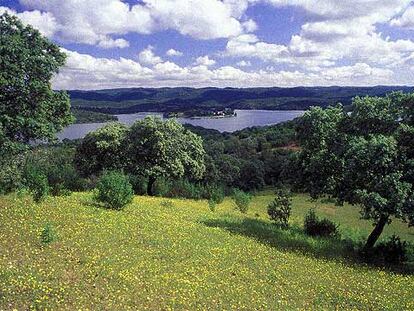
(131, 100)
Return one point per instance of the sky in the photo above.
(226, 43)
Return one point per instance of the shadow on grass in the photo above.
(295, 240)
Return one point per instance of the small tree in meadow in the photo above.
(37, 184)
(242, 200)
(280, 208)
(114, 190)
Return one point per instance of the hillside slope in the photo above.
(132, 100)
(177, 254)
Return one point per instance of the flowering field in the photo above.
(177, 254)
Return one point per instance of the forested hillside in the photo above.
(182, 99)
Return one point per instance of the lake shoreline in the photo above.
(243, 119)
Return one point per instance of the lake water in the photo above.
(244, 119)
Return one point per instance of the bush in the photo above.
(393, 251)
(214, 193)
(242, 200)
(280, 209)
(319, 227)
(161, 187)
(139, 184)
(56, 163)
(114, 190)
(37, 183)
(212, 205)
(185, 189)
(48, 234)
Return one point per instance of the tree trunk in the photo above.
(151, 181)
(375, 234)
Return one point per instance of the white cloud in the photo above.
(43, 21)
(244, 63)
(93, 21)
(406, 20)
(87, 72)
(250, 26)
(147, 56)
(172, 52)
(201, 19)
(248, 45)
(108, 43)
(205, 61)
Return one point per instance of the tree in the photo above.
(29, 108)
(101, 150)
(164, 149)
(365, 158)
(280, 208)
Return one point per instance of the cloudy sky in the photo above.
(237, 43)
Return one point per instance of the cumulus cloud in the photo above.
(87, 72)
(148, 57)
(94, 21)
(172, 52)
(205, 61)
(43, 21)
(406, 20)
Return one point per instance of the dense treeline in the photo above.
(183, 99)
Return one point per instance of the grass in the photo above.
(177, 254)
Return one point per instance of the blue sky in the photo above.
(237, 43)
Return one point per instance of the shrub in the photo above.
(280, 209)
(56, 163)
(185, 189)
(161, 187)
(37, 183)
(214, 193)
(114, 190)
(212, 205)
(393, 250)
(48, 234)
(319, 227)
(242, 200)
(139, 184)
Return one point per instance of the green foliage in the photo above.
(214, 193)
(102, 149)
(212, 205)
(164, 149)
(36, 181)
(114, 190)
(139, 184)
(364, 158)
(161, 187)
(48, 234)
(242, 200)
(11, 178)
(185, 189)
(30, 109)
(280, 208)
(56, 163)
(86, 116)
(319, 227)
(393, 250)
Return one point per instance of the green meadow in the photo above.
(167, 254)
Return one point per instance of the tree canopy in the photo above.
(102, 149)
(164, 149)
(365, 158)
(29, 108)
